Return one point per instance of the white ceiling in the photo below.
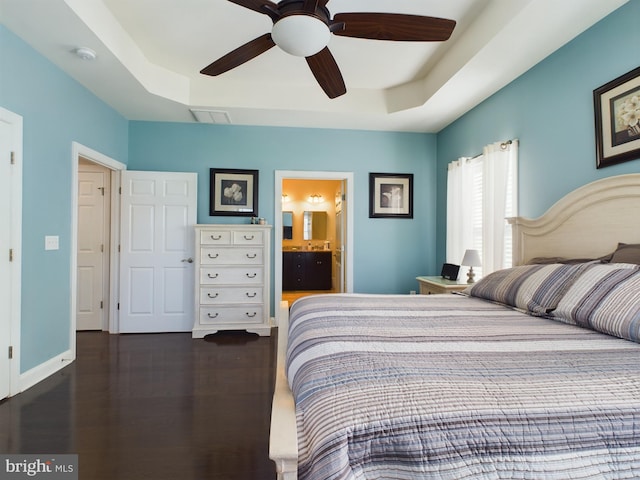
(150, 53)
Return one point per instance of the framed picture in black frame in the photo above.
(233, 192)
(617, 112)
(390, 195)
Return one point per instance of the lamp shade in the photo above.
(471, 259)
(301, 35)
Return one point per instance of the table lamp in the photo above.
(471, 259)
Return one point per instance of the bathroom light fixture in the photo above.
(315, 198)
(285, 198)
(301, 35)
(85, 53)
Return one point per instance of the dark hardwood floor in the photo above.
(153, 406)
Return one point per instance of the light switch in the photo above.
(51, 242)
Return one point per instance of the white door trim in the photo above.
(78, 150)
(281, 175)
(16, 241)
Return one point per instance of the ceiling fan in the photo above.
(303, 28)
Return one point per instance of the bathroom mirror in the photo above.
(315, 226)
(287, 225)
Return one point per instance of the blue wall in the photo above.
(550, 110)
(56, 111)
(388, 253)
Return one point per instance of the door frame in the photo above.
(116, 167)
(15, 273)
(281, 175)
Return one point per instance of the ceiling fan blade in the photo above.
(325, 69)
(394, 26)
(240, 55)
(256, 5)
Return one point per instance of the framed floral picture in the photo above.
(233, 192)
(390, 195)
(617, 115)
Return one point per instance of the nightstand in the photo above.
(433, 285)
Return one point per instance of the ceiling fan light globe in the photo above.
(301, 35)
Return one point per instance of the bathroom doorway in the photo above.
(328, 198)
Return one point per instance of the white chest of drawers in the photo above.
(232, 279)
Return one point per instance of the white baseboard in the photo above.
(40, 372)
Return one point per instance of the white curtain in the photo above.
(459, 218)
(481, 194)
(499, 201)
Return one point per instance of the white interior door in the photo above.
(93, 249)
(339, 247)
(10, 243)
(158, 211)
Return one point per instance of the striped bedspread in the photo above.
(454, 387)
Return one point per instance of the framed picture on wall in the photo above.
(233, 192)
(390, 195)
(617, 115)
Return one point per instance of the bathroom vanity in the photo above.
(306, 270)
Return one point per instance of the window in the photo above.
(481, 195)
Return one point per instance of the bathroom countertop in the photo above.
(304, 249)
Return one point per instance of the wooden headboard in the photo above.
(586, 223)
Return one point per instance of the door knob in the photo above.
(188, 260)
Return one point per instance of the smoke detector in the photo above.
(85, 53)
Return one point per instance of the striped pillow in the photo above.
(606, 299)
(536, 289)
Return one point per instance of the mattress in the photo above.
(455, 387)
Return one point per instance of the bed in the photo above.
(532, 373)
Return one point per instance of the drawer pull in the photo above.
(251, 295)
(216, 237)
(212, 296)
(251, 315)
(213, 256)
(212, 316)
(252, 275)
(252, 255)
(212, 276)
(249, 237)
